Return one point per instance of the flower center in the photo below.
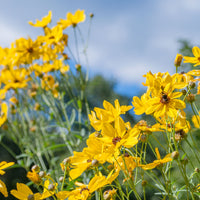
(115, 140)
(164, 99)
(83, 190)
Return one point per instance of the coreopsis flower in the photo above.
(118, 135)
(44, 22)
(166, 103)
(72, 20)
(14, 78)
(4, 165)
(193, 60)
(140, 105)
(3, 189)
(53, 35)
(27, 50)
(97, 182)
(107, 115)
(157, 162)
(34, 176)
(23, 192)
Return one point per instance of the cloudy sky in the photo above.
(128, 38)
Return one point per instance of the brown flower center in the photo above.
(164, 99)
(83, 190)
(115, 140)
(30, 50)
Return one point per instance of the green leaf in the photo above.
(72, 117)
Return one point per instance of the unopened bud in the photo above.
(30, 197)
(197, 170)
(78, 67)
(66, 161)
(61, 179)
(35, 168)
(94, 162)
(190, 98)
(91, 15)
(192, 84)
(143, 138)
(178, 60)
(175, 155)
(144, 183)
(51, 187)
(42, 174)
(184, 92)
(184, 161)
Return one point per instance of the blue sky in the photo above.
(128, 38)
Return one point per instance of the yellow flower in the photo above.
(196, 120)
(23, 192)
(118, 135)
(157, 162)
(140, 105)
(27, 50)
(34, 177)
(3, 189)
(44, 22)
(98, 181)
(14, 78)
(107, 115)
(193, 60)
(166, 103)
(4, 165)
(72, 20)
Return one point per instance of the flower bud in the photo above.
(190, 98)
(178, 60)
(91, 15)
(61, 179)
(192, 84)
(144, 183)
(78, 67)
(184, 161)
(42, 174)
(35, 168)
(94, 162)
(66, 161)
(109, 194)
(51, 187)
(30, 197)
(197, 170)
(175, 155)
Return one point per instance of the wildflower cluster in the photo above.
(120, 160)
